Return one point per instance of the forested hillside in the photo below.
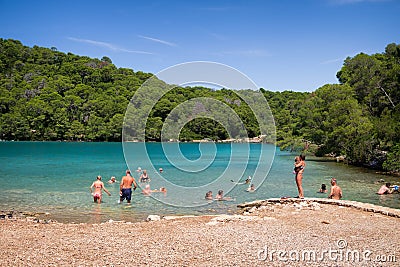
(358, 118)
(49, 95)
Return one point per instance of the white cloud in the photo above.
(157, 40)
(108, 46)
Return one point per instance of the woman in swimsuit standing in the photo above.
(299, 166)
(98, 186)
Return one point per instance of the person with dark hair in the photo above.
(323, 189)
(251, 188)
(385, 189)
(299, 166)
(220, 196)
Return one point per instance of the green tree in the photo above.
(392, 162)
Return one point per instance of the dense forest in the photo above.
(50, 95)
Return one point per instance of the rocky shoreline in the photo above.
(313, 203)
(28, 216)
(247, 208)
(252, 237)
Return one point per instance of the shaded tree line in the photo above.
(49, 95)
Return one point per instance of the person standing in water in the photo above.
(144, 177)
(336, 191)
(126, 187)
(98, 187)
(299, 165)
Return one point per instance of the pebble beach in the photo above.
(265, 233)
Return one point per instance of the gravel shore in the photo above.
(274, 235)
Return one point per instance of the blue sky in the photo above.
(280, 45)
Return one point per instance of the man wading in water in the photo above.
(126, 187)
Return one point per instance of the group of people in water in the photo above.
(299, 166)
(126, 185)
(336, 191)
(219, 196)
(387, 188)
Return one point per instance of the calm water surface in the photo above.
(55, 177)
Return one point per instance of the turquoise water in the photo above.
(55, 177)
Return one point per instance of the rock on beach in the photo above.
(245, 239)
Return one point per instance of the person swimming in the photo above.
(147, 191)
(220, 196)
(323, 189)
(112, 180)
(251, 188)
(247, 181)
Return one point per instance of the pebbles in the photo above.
(228, 240)
(27, 216)
(315, 204)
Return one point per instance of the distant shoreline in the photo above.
(309, 158)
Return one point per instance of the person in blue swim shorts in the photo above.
(126, 187)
